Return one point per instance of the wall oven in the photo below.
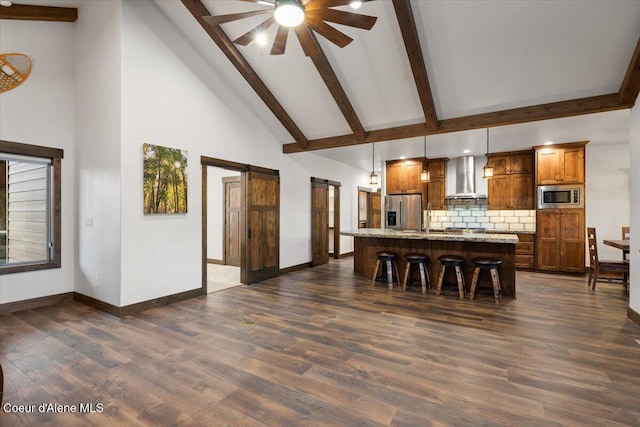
(560, 196)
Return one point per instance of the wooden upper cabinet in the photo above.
(437, 168)
(436, 186)
(513, 162)
(560, 165)
(512, 184)
(403, 176)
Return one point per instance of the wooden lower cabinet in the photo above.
(560, 240)
(525, 253)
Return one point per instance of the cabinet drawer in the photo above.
(524, 261)
(524, 248)
(526, 237)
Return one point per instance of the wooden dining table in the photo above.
(619, 244)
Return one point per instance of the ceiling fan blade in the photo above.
(309, 45)
(250, 35)
(328, 32)
(323, 4)
(280, 42)
(221, 19)
(365, 22)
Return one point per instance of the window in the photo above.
(29, 207)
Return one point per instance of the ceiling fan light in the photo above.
(261, 39)
(6, 3)
(355, 4)
(289, 13)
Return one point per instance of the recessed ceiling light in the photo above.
(261, 39)
(466, 151)
(403, 157)
(548, 143)
(356, 4)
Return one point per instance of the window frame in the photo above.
(55, 156)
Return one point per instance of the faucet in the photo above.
(427, 224)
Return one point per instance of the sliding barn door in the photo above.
(319, 221)
(262, 226)
(232, 220)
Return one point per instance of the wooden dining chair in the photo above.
(597, 266)
(626, 235)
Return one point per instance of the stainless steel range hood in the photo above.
(465, 180)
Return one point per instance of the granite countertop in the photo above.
(440, 230)
(381, 233)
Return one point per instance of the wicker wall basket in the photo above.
(14, 69)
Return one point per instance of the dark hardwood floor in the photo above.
(321, 346)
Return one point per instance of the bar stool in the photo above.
(485, 263)
(388, 260)
(456, 262)
(421, 261)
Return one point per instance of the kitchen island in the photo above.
(368, 241)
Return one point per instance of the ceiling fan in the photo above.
(305, 17)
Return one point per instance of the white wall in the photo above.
(634, 193)
(97, 132)
(40, 112)
(607, 198)
(172, 97)
(215, 211)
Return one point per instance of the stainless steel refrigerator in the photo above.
(403, 212)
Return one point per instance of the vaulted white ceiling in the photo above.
(480, 57)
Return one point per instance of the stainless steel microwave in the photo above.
(560, 196)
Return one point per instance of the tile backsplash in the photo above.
(478, 216)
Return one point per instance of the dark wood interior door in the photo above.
(262, 190)
(232, 220)
(319, 221)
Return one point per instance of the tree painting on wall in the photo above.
(165, 180)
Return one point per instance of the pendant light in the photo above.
(425, 176)
(487, 170)
(374, 176)
(289, 13)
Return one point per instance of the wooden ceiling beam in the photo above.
(407, 24)
(39, 13)
(198, 10)
(631, 84)
(333, 84)
(554, 110)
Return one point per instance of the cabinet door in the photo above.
(394, 178)
(521, 163)
(499, 192)
(521, 191)
(547, 232)
(571, 240)
(547, 166)
(437, 169)
(412, 171)
(572, 165)
(435, 193)
(500, 165)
